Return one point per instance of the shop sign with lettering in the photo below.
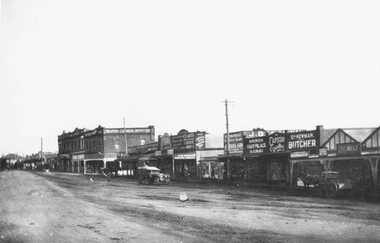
(276, 142)
(186, 141)
(235, 144)
(127, 130)
(300, 154)
(78, 157)
(323, 152)
(348, 149)
(185, 156)
(255, 145)
(165, 142)
(302, 141)
(141, 149)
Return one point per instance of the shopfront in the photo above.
(233, 158)
(184, 145)
(277, 158)
(304, 154)
(254, 148)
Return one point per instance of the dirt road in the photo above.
(58, 207)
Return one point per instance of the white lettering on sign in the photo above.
(276, 140)
(302, 144)
(128, 130)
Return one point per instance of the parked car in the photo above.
(151, 175)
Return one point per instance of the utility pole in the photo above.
(125, 138)
(228, 142)
(42, 151)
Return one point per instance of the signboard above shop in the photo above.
(276, 142)
(142, 149)
(302, 141)
(343, 149)
(256, 145)
(165, 142)
(236, 142)
(188, 141)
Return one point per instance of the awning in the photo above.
(210, 159)
(137, 157)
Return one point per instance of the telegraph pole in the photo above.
(125, 138)
(228, 142)
(42, 151)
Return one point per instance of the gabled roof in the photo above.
(372, 133)
(359, 134)
(326, 134)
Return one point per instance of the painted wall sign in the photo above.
(300, 154)
(127, 130)
(276, 142)
(323, 152)
(186, 141)
(235, 144)
(302, 141)
(185, 156)
(255, 145)
(348, 149)
(165, 142)
(141, 149)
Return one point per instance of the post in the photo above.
(42, 152)
(173, 167)
(125, 138)
(84, 167)
(228, 143)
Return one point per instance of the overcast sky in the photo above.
(285, 64)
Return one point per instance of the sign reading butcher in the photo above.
(276, 142)
(302, 141)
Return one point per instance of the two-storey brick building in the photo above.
(86, 150)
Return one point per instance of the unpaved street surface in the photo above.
(59, 207)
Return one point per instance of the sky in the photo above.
(171, 64)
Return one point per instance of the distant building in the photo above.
(86, 150)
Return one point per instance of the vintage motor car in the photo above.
(151, 175)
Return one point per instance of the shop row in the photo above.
(258, 155)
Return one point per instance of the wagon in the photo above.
(151, 175)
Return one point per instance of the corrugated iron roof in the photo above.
(359, 134)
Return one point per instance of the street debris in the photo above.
(183, 197)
